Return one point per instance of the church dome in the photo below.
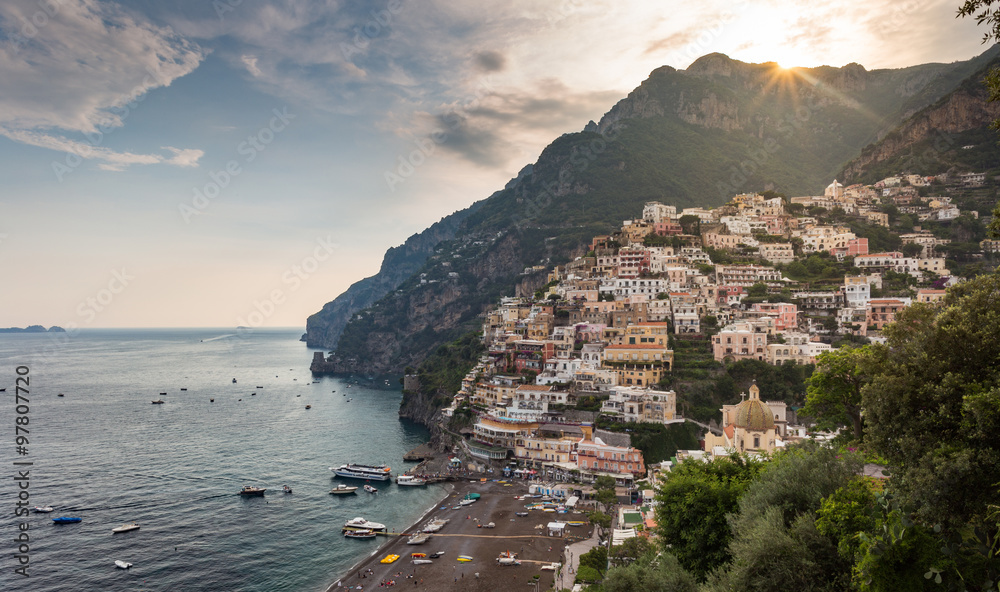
(754, 415)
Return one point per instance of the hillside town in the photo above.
(764, 277)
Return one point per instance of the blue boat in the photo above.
(66, 520)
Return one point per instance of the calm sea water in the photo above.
(103, 452)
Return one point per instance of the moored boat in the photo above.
(360, 523)
(409, 480)
(370, 488)
(342, 489)
(359, 471)
(66, 520)
(250, 490)
(42, 509)
(359, 534)
(125, 527)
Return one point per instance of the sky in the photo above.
(197, 163)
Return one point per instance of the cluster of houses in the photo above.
(600, 330)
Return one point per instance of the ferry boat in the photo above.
(409, 480)
(362, 524)
(357, 471)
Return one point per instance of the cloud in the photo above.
(490, 61)
(251, 63)
(82, 66)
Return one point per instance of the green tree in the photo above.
(833, 394)
(692, 506)
(985, 13)
(630, 551)
(660, 574)
(602, 521)
(690, 224)
(912, 249)
(933, 408)
(596, 559)
(846, 514)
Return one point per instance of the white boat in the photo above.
(358, 471)
(342, 489)
(362, 524)
(508, 561)
(409, 480)
(250, 490)
(467, 502)
(435, 525)
(370, 488)
(121, 564)
(359, 534)
(125, 527)
(421, 561)
(42, 509)
(418, 539)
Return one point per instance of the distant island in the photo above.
(33, 329)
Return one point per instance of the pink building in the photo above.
(786, 315)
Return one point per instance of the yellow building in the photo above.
(649, 332)
(640, 364)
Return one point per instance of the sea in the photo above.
(103, 452)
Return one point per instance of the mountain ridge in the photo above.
(685, 138)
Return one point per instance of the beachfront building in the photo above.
(495, 438)
(594, 458)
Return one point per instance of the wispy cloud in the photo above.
(80, 68)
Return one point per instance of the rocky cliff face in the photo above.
(324, 328)
(933, 128)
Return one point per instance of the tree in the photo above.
(833, 392)
(690, 224)
(693, 503)
(630, 551)
(596, 559)
(602, 521)
(983, 12)
(659, 574)
(931, 409)
(912, 249)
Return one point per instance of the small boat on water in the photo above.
(66, 520)
(371, 488)
(286, 489)
(309, 406)
(42, 509)
(60, 395)
(125, 528)
(234, 381)
(362, 524)
(122, 564)
(158, 402)
(250, 490)
(409, 480)
(360, 534)
(183, 389)
(342, 489)
(211, 400)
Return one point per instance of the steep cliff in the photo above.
(951, 133)
(323, 329)
(684, 137)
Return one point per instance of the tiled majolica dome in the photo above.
(753, 414)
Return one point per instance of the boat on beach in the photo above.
(360, 471)
(418, 539)
(421, 561)
(436, 524)
(360, 523)
(250, 490)
(125, 528)
(405, 479)
(342, 489)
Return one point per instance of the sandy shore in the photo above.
(464, 536)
